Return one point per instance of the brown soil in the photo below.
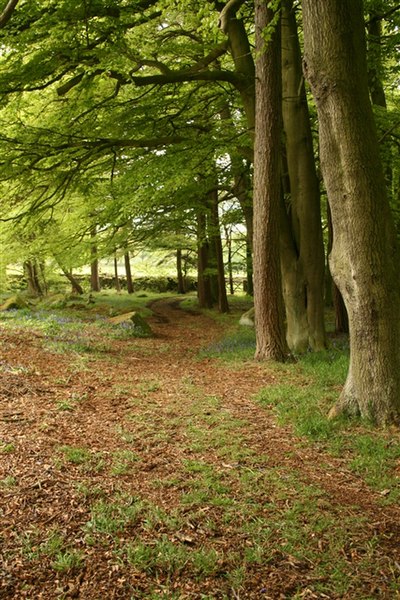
(142, 386)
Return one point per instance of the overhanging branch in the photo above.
(7, 12)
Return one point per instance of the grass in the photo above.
(78, 328)
(112, 517)
(69, 560)
(123, 461)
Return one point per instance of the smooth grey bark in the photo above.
(365, 255)
(303, 261)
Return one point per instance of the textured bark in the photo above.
(128, 272)
(365, 255)
(268, 303)
(304, 263)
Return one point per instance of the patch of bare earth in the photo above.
(146, 397)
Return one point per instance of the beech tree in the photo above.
(365, 254)
(302, 249)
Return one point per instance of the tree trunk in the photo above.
(42, 271)
(341, 318)
(179, 272)
(365, 255)
(76, 286)
(268, 303)
(242, 190)
(249, 268)
(244, 64)
(128, 272)
(228, 237)
(293, 286)
(94, 265)
(304, 267)
(375, 69)
(31, 274)
(223, 305)
(203, 278)
(116, 276)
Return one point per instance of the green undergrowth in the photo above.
(303, 399)
(302, 394)
(80, 325)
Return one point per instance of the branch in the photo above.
(120, 143)
(382, 16)
(211, 57)
(186, 76)
(7, 12)
(226, 14)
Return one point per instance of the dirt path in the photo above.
(148, 419)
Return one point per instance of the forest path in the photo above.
(152, 419)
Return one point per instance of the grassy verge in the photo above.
(302, 396)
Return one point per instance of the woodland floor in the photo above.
(146, 471)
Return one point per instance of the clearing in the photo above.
(141, 468)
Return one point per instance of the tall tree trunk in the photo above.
(304, 266)
(243, 60)
(293, 285)
(223, 305)
(203, 278)
(249, 268)
(365, 255)
(94, 265)
(242, 189)
(179, 272)
(228, 237)
(116, 276)
(128, 272)
(268, 303)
